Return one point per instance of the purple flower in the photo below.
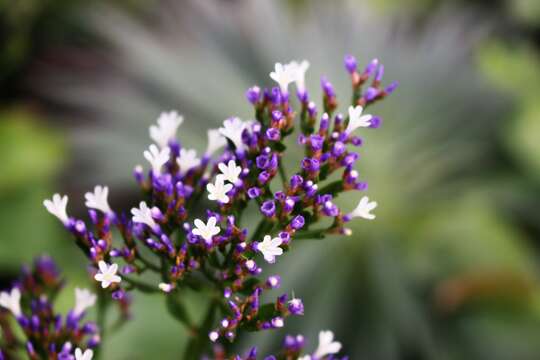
(253, 94)
(296, 306)
(350, 63)
(298, 222)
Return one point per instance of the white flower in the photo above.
(107, 274)
(270, 248)
(86, 355)
(11, 301)
(165, 131)
(83, 300)
(215, 141)
(98, 199)
(218, 191)
(143, 214)
(165, 287)
(363, 209)
(283, 75)
(157, 158)
(230, 171)
(233, 129)
(327, 345)
(206, 231)
(298, 71)
(305, 357)
(356, 119)
(187, 160)
(57, 207)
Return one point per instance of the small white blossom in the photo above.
(11, 301)
(83, 300)
(305, 357)
(213, 336)
(327, 345)
(86, 355)
(57, 207)
(107, 274)
(157, 158)
(215, 141)
(218, 191)
(270, 248)
(143, 214)
(187, 160)
(233, 129)
(165, 131)
(356, 119)
(363, 209)
(165, 287)
(299, 74)
(98, 199)
(283, 75)
(208, 230)
(230, 171)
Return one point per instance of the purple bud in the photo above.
(296, 180)
(370, 68)
(253, 94)
(276, 115)
(296, 307)
(310, 164)
(118, 294)
(338, 149)
(375, 122)
(263, 177)
(298, 222)
(357, 141)
(254, 192)
(371, 93)
(390, 89)
(273, 134)
(317, 142)
(349, 159)
(277, 322)
(285, 237)
(312, 109)
(327, 87)
(325, 122)
(268, 208)
(273, 281)
(350, 63)
(380, 73)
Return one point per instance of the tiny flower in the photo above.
(233, 129)
(11, 301)
(299, 73)
(305, 357)
(213, 336)
(296, 306)
(157, 158)
(283, 75)
(215, 141)
(165, 131)
(165, 287)
(57, 207)
(327, 345)
(143, 214)
(230, 171)
(270, 248)
(86, 355)
(83, 300)
(218, 191)
(363, 209)
(107, 274)
(187, 160)
(98, 199)
(356, 119)
(206, 231)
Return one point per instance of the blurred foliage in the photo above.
(516, 68)
(32, 154)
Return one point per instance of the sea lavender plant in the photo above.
(48, 335)
(205, 247)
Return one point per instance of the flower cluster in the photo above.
(190, 220)
(48, 335)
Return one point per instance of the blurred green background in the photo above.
(449, 269)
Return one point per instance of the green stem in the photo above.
(282, 174)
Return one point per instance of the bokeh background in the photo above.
(450, 268)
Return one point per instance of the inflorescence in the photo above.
(188, 229)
